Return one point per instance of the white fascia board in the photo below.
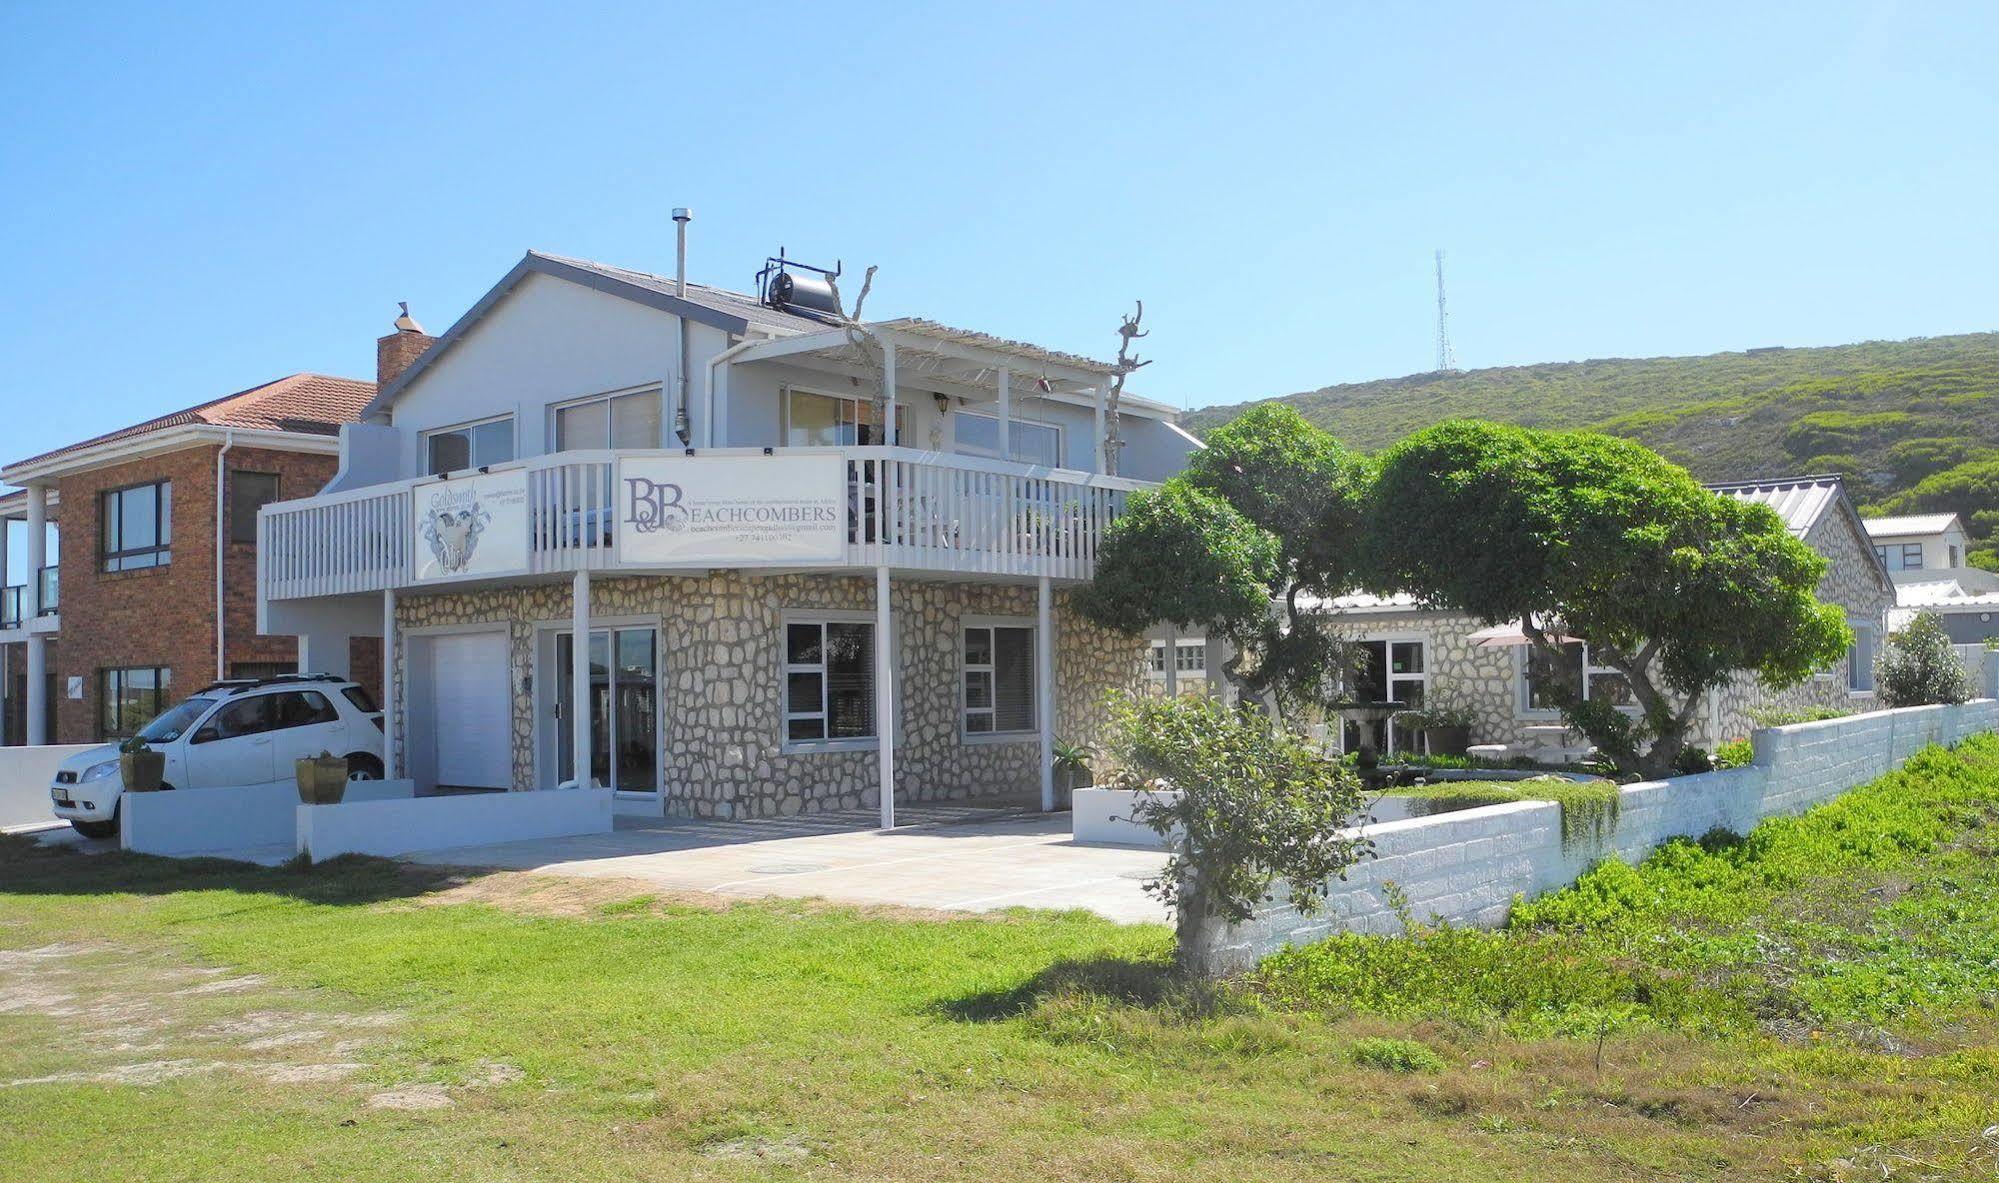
(170, 439)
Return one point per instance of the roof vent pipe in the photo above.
(681, 216)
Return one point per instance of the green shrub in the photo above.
(1785, 716)
(1396, 1055)
(1734, 753)
(1919, 667)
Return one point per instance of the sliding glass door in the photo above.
(624, 708)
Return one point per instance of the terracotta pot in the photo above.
(322, 780)
(142, 770)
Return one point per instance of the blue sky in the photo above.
(199, 198)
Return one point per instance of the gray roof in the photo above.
(1800, 501)
(1916, 523)
(735, 304)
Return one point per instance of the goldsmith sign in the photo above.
(675, 510)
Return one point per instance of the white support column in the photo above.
(1102, 444)
(1005, 415)
(6, 533)
(579, 679)
(1172, 662)
(31, 607)
(715, 432)
(1044, 686)
(392, 739)
(885, 695)
(888, 436)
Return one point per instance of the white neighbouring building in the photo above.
(786, 603)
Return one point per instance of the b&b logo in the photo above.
(654, 506)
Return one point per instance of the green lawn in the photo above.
(1815, 1002)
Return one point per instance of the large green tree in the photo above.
(1583, 535)
(1246, 544)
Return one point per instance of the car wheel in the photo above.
(97, 829)
(362, 766)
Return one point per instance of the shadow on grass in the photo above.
(30, 868)
(1151, 982)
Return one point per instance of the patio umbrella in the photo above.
(1507, 636)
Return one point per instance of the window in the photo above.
(1905, 556)
(1860, 660)
(362, 700)
(474, 445)
(1158, 658)
(829, 680)
(239, 718)
(1912, 556)
(1576, 671)
(999, 679)
(129, 698)
(259, 670)
(1951, 550)
(609, 421)
(1191, 657)
(248, 493)
(824, 421)
(301, 708)
(1028, 443)
(137, 526)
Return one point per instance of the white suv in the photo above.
(232, 733)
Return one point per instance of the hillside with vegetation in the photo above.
(1913, 425)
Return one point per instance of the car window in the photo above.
(362, 700)
(245, 716)
(303, 708)
(169, 726)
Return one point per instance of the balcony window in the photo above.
(1027, 443)
(473, 445)
(999, 679)
(827, 421)
(128, 698)
(137, 526)
(829, 681)
(609, 421)
(248, 493)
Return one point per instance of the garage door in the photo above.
(473, 710)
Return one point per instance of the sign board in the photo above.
(471, 526)
(690, 510)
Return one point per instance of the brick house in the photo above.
(133, 572)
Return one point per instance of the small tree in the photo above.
(1254, 805)
(1920, 668)
(1247, 544)
(1579, 535)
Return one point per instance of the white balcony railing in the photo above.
(907, 509)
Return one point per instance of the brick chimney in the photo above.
(395, 352)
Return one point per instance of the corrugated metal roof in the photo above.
(1918, 523)
(311, 404)
(1800, 501)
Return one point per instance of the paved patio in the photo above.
(953, 858)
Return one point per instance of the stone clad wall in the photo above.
(1466, 867)
(721, 642)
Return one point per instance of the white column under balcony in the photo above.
(579, 680)
(31, 607)
(392, 742)
(1044, 686)
(885, 695)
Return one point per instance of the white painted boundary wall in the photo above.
(187, 822)
(25, 774)
(1466, 867)
(390, 828)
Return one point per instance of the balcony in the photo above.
(906, 509)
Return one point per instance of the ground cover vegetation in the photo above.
(1813, 1001)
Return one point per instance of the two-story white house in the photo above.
(686, 509)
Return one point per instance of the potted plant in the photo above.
(1445, 724)
(140, 767)
(322, 779)
(1072, 771)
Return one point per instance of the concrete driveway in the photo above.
(963, 860)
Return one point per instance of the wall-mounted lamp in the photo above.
(943, 404)
(689, 452)
(770, 451)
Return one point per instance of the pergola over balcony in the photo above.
(975, 366)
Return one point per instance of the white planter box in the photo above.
(390, 828)
(1102, 817)
(25, 775)
(219, 821)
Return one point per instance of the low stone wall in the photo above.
(234, 820)
(1467, 867)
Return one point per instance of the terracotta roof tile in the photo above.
(313, 404)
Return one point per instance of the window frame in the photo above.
(277, 494)
(1855, 667)
(162, 691)
(962, 449)
(605, 399)
(901, 416)
(786, 667)
(1522, 701)
(466, 428)
(1917, 548)
(990, 624)
(116, 562)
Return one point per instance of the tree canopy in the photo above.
(1588, 536)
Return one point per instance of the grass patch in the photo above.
(1589, 807)
(1396, 1055)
